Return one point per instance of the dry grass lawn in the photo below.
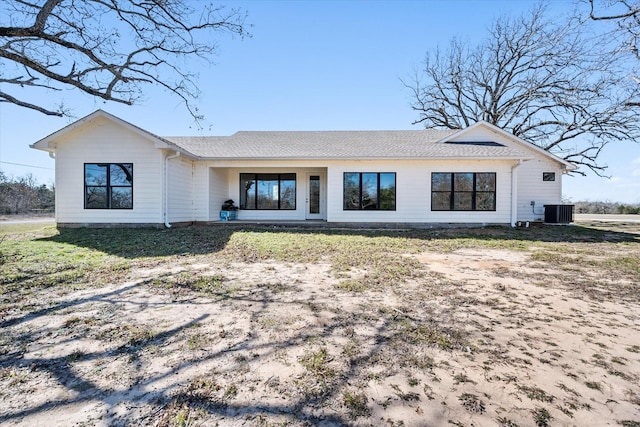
(206, 326)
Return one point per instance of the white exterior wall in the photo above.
(181, 190)
(413, 192)
(106, 142)
(219, 191)
(531, 187)
(201, 196)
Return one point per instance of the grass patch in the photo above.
(317, 363)
(356, 403)
(409, 396)
(472, 403)
(42, 256)
(594, 385)
(535, 393)
(376, 259)
(430, 333)
(320, 376)
(207, 285)
(634, 349)
(505, 422)
(541, 417)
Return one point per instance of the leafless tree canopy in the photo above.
(625, 15)
(550, 84)
(109, 49)
(25, 195)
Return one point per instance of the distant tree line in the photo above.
(606, 208)
(24, 195)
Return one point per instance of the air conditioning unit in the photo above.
(558, 214)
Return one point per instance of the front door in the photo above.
(314, 196)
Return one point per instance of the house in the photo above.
(109, 171)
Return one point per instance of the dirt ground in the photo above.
(483, 337)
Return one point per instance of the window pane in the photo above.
(96, 197)
(287, 192)
(247, 191)
(463, 182)
(441, 201)
(351, 195)
(108, 185)
(485, 201)
(369, 191)
(121, 174)
(485, 182)
(121, 198)
(314, 194)
(462, 201)
(268, 191)
(465, 197)
(548, 176)
(440, 182)
(95, 174)
(388, 191)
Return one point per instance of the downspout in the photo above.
(514, 193)
(55, 188)
(166, 188)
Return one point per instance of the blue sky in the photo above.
(313, 65)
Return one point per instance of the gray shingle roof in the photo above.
(339, 145)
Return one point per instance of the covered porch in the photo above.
(267, 193)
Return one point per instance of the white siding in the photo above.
(105, 142)
(201, 184)
(219, 191)
(180, 190)
(531, 187)
(413, 192)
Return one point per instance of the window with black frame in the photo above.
(268, 191)
(466, 191)
(108, 186)
(369, 191)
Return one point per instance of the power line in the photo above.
(29, 166)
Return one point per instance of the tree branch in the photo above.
(110, 49)
(546, 83)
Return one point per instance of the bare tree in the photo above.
(24, 195)
(546, 83)
(625, 15)
(109, 49)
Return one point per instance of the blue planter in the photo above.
(228, 215)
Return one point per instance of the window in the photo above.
(463, 191)
(369, 191)
(267, 191)
(548, 176)
(108, 186)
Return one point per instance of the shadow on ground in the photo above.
(203, 239)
